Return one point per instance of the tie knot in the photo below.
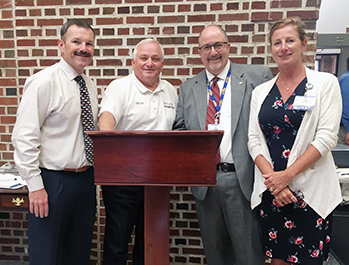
(79, 80)
(215, 80)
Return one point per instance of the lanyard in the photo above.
(218, 106)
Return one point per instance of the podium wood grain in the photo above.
(156, 160)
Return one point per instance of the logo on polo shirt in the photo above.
(169, 105)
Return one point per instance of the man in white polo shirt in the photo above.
(139, 101)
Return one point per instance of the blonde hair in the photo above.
(294, 21)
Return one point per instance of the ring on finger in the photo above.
(271, 189)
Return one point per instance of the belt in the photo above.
(225, 167)
(77, 170)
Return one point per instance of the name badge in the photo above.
(304, 103)
(214, 127)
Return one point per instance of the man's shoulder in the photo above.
(122, 82)
(167, 85)
(196, 78)
(344, 76)
(43, 76)
(45, 73)
(256, 74)
(249, 67)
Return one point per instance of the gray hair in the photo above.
(134, 54)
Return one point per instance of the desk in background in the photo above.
(14, 199)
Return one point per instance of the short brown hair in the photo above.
(294, 21)
(77, 22)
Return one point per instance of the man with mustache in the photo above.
(139, 101)
(219, 98)
(53, 154)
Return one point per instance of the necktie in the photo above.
(211, 110)
(86, 117)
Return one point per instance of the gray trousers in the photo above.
(229, 228)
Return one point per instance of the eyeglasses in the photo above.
(218, 46)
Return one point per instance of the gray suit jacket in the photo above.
(192, 108)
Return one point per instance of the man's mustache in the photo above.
(81, 53)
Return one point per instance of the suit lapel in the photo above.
(200, 96)
(238, 86)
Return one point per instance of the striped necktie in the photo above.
(211, 110)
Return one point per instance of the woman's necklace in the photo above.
(291, 85)
(282, 84)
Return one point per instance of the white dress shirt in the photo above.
(225, 118)
(136, 107)
(48, 132)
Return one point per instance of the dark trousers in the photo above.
(124, 206)
(65, 236)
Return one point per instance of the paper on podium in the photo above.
(11, 181)
(343, 176)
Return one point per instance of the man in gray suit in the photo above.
(229, 228)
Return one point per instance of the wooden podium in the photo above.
(156, 160)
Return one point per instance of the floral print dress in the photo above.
(293, 233)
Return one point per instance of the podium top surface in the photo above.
(176, 158)
(94, 134)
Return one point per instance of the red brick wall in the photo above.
(29, 30)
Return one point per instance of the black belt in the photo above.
(225, 167)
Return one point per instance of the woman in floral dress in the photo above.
(294, 122)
